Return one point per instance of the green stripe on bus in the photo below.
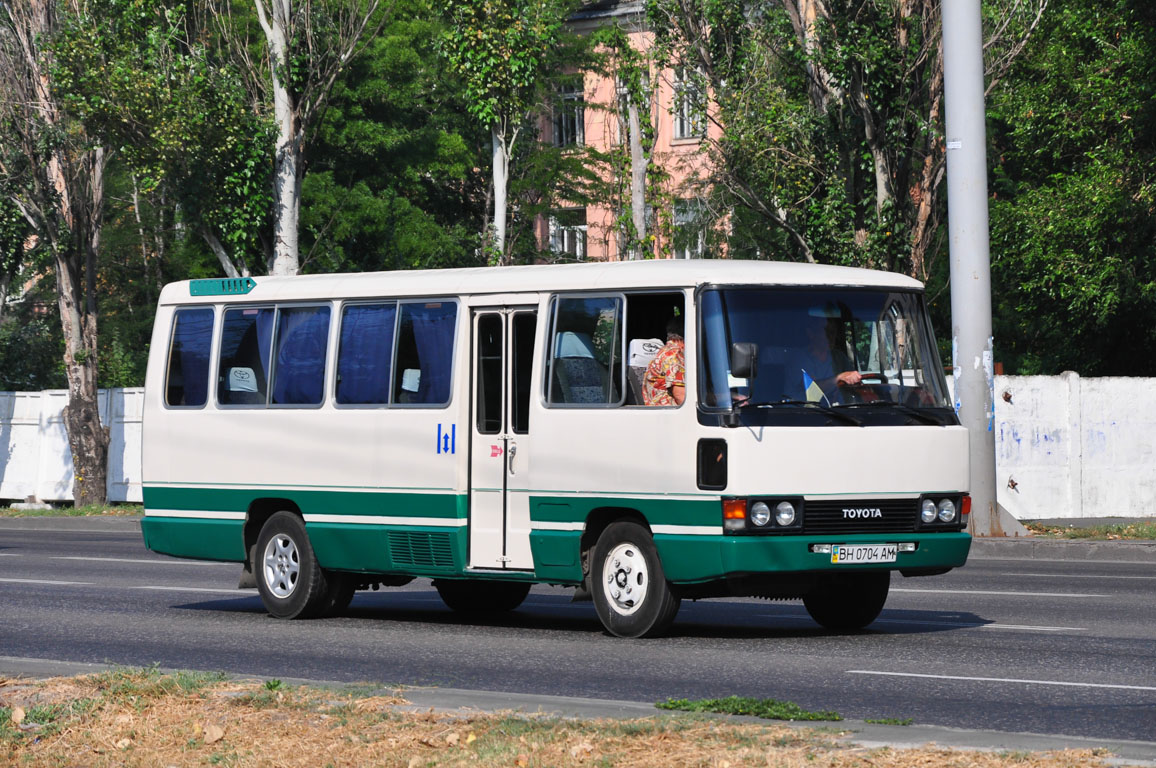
(310, 502)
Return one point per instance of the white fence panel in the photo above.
(35, 459)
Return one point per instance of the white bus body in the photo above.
(482, 427)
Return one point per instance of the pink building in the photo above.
(592, 113)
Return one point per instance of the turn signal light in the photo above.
(965, 509)
(734, 514)
(734, 509)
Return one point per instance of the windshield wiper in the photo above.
(926, 418)
(809, 404)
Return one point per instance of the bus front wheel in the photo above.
(848, 602)
(631, 594)
(291, 583)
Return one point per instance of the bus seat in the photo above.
(582, 379)
(241, 387)
(635, 375)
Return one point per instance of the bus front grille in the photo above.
(873, 516)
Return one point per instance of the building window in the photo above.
(689, 104)
(689, 241)
(570, 116)
(568, 232)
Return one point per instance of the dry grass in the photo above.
(144, 718)
(1141, 529)
(94, 510)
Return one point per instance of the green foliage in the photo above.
(500, 49)
(770, 709)
(143, 77)
(1073, 213)
(393, 179)
(811, 124)
(31, 352)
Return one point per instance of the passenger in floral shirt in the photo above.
(664, 382)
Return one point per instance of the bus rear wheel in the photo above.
(631, 594)
(848, 602)
(289, 579)
(481, 597)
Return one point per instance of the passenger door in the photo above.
(503, 352)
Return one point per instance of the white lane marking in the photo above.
(193, 589)
(135, 560)
(1003, 680)
(46, 581)
(1076, 576)
(961, 624)
(994, 592)
(11, 554)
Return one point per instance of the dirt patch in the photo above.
(142, 718)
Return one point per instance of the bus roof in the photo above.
(587, 276)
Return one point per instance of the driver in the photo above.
(824, 365)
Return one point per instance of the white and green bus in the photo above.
(485, 428)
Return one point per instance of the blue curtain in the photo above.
(192, 337)
(365, 354)
(433, 330)
(299, 372)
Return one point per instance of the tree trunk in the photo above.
(222, 255)
(638, 164)
(287, 165)
(69, 184)
(501, 163)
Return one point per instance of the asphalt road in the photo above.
(1049, 647)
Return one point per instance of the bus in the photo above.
(489, 429)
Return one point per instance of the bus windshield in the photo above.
(773, 354)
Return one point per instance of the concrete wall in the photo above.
(35, 460)
(1065, 446)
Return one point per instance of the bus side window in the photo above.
(299, 360)
(647, 315)
(243, 364)
(187, 380)
(585, 366)
(425, 351)
(365, 353)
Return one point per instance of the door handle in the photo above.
(511, 452)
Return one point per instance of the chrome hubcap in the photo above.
(282, 565)
(625, 579)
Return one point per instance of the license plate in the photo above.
(849, 554)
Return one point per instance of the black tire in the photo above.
(291, 583)
(631, 594)
(341, 589)
(482, 597)
(848, 602)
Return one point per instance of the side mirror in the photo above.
(744, 359)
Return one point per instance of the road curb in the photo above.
(89, 524)
(1025, 548)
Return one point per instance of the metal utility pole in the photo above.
(967, 226)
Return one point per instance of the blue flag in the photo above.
(812, 390)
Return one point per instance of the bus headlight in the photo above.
(785, 513)
(929, 511)
(946, 510)
(760, 514)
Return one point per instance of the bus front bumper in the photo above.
(686, 560)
